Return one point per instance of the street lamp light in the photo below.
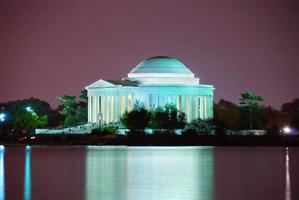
(287, 130)
(29, 109)
(2, 119)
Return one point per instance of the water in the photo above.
(149, 173)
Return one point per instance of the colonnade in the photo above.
(109, 108)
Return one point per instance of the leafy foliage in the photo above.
(105, 130)
(137, 119)
(75, 111)
(226, 115)
(168, 118)
(290, 113)
(202, 126)
(21, 120)
(250, 112)
(271, 120)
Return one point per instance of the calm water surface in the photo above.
(149, 173)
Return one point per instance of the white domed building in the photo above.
(154, 82)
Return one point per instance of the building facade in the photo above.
(154, 82)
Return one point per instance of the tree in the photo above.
(136, 120)
(75, 112)
(21, 120)
(203, 126)
(168, 118)
(271, 119)
(27, 122)
(290, 113)
(226, 115)
(250, 111)
(69, 104)
(83, 96)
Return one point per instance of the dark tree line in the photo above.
(72, 111)
(166, 119)
(248, 115)
(229, 116)
(24, 116)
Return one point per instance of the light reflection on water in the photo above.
(288, 180)
(2, 173)
(27, 172)
(143, 173)
(149, 173)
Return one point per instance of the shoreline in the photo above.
(152, 140)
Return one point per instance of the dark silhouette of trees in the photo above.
(250, 112)
(226, 116)
(22, 120)
(290, 113)
(271, 120)
(202, 126)
(75, 111)
(136, 120)
(168, 118)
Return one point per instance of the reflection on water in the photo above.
(2, 186)
(288, 180)
(149, 173)
(27, 176)
(144, 173)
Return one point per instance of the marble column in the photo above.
(201, 107)
(89, 109)
(196, 107)
(187, 105)
(205, 108)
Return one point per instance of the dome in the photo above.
(162, 70)
(161, 64)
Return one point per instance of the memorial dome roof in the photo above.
(161, 64)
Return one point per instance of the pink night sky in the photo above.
(56, 47)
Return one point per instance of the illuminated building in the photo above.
(154, 82)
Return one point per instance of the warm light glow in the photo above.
(130, 103)
(123, 105)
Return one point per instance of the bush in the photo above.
(104, 130)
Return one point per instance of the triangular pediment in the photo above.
(100, 83)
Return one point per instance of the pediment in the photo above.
(100, 84)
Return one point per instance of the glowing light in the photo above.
(2, 181)
(29, 109)
(28, 147)
(287, 180)
(2, 117)
(27, 175)
(287, 130)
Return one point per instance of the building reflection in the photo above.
(2, 173)
(105, 173)
(149, 173)
(27, 174)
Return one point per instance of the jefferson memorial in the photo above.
(154, 82)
